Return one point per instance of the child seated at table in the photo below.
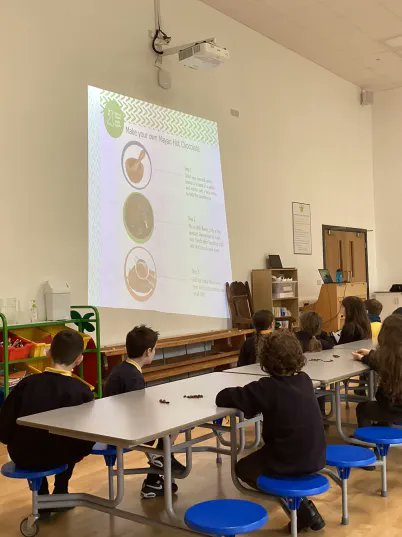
(374, 309)
(293, 432)
(313, 339)
(311, 336)
(357, 324)
(36, 449)
(386, 360)
(128, 377)
(262, 322)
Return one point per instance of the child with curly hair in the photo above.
(293, 431)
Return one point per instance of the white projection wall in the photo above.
(157, 223)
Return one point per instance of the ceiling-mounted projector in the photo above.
(206, 55)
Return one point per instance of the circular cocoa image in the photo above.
(140, 274)
(136, 165)
(138, 217)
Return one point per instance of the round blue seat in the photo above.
(34, 477)
(11, 470)
(108, 452)
(226, 517)
(345, 457)
(384, 436)
(103, 449)
(349, 456)
(293, 487)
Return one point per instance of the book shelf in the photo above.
(270, 295)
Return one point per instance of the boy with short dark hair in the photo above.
(374, 309)
(34, 449)
(128, 377)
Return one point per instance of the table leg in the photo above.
(338, 413)
(338, 420)
(167, 474)
(371, 381)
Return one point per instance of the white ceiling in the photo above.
(346, 37)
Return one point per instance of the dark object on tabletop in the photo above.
(273, 262)
(164, 402)
(396, 288)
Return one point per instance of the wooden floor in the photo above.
(370, 515)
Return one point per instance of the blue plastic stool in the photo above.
(226, 517)
(29, 526)
(345, 457)
(383, 438)
(292, 490)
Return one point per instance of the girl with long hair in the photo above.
(386, 360)
(357, 324)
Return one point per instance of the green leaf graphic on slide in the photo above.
(114, 119)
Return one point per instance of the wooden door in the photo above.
(357, 252)
(334, 251)
(346, 250)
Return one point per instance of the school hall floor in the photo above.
(370, 515)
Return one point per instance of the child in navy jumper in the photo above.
(357, 324)
(311, 336)
(128, 377)
(293, 433)
(37, 449)
(386, 360)
(262, 322)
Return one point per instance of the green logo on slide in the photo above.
(114, 119)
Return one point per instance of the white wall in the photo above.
(301, 136)
(387, 142)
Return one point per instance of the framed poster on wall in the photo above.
(301, 215)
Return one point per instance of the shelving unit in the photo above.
(264, 292)
(94, 319)
(187, 355)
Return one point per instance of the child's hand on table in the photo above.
(360, 354)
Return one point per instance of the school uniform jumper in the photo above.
(326, 341)
(37, 449)
(293, 431)
(248, 353)
(383, 409)
(349, 334)
(125, 377)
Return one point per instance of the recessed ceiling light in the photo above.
(394, 42)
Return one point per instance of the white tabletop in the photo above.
(342, 367)
(256, 371)
(319, 367)
(134, 418)
(356, 345)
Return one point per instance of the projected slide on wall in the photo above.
(157, 223)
